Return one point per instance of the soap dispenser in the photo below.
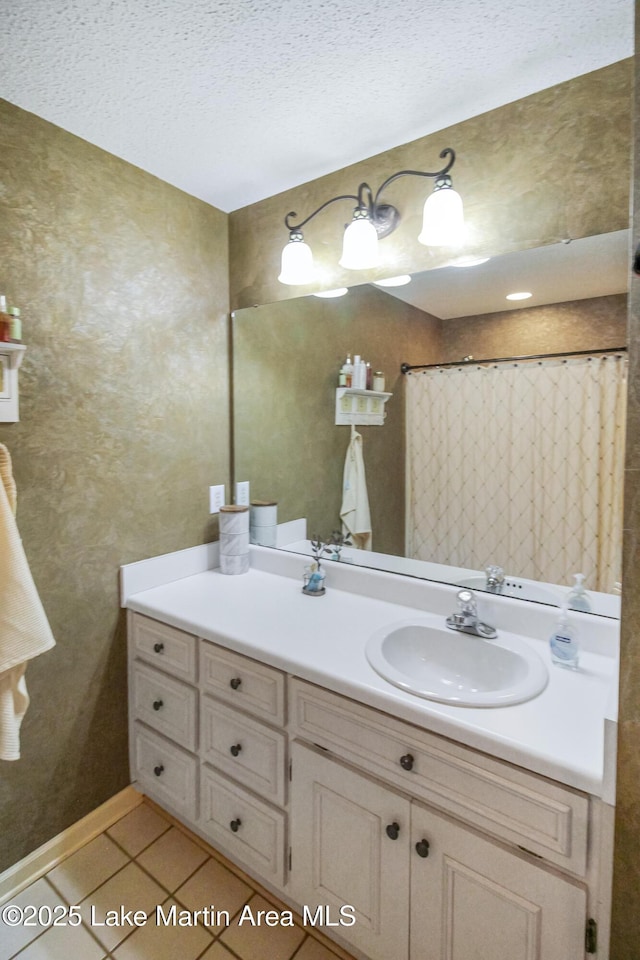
(563, 644)
(578, 598)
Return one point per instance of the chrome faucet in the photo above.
(465, 619)
(495, 578)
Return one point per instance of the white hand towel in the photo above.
(24, 628)
(355, 513)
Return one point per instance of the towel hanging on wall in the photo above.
(355, 513)
(24, 628)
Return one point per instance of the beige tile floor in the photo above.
(142, 862)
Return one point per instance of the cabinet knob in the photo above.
(236, 824)
(406, 762)
(393, 830)
(235, 682)
(235, 749)
(158, 770)
(157, 704)
(422, 848)
(158, 647)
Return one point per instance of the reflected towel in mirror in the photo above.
(355, 513)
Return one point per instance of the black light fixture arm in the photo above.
(447, 152)
(384, 216)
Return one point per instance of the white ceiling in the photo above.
(556, 273)
(236, 100)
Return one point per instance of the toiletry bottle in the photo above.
(15, 327)
(578, 598)
(378, 381)
(5, 320)
(564, 647)
(369, 376)
(346, 373)
(357, 365)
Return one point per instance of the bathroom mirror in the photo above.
(286, 359)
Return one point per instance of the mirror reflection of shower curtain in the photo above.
(519, 465)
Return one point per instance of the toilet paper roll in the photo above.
(264, 513)
(234, 519)
(234, 565)
(234, 544)
(265, 536)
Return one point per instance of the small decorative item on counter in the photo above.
(314, 580)
(15, 326)
(5, 321)
(378, 381)
(234, 539)
(264, 522)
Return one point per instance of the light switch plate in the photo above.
(216, 498)
(242, 493)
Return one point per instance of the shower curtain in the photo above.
(520, 465)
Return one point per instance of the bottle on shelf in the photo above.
(378, 381)
(345, 377)
(368, 376)
(5, 320)
(15, 325)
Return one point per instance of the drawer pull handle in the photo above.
(235, 682)
(406, 762)
(158, 647)
(158, 770)
(236, 824)
(422, 848)
(158, 704)
(235, 749)
(393, 830)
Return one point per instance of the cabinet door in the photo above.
(349, 840)
(472, 899)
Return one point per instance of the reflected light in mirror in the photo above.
(394, 281)
(523, 295)
(329, 294)
(469, 261)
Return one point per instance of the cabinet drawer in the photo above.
(165, 771)
(167, 705)
(244, 748)
(544, 817)
(243, 682)
(165, 647)
(246, 827)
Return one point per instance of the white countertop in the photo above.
(264, 615)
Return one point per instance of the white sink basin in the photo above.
(457, 668)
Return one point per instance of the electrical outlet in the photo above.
(242, 493)
(216, 498)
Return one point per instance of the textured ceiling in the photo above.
(235, 100)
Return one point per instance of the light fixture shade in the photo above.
(297, 262)
(360, 244)
(443, 218)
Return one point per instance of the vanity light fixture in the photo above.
(442, 224)
(523, 295)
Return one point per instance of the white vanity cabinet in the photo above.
(441, 850)
(422, 886)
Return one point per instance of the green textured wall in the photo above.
(536, 171)
(123, 284)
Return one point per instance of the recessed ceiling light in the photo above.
(394, 281)
(519, 296)
(469, 261)
(328, 294)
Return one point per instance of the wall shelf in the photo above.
(360, 407)
(11, 356)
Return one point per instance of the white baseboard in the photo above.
(46, 857)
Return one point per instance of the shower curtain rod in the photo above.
(470, 361)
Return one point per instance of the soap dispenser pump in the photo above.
(563, 644)
(578, 598)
